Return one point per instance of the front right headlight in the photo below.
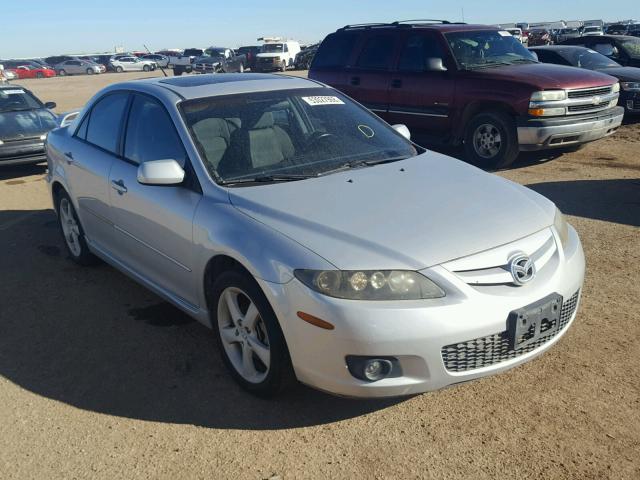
(549, 96)
(562, 227)
(370, 284)
(631, 86)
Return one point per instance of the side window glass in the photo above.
(417, 50)
(335, 50)
(605, 49)
(82, 130)
(377, 52)
(105, 121)
(151, 134)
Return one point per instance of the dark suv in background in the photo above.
(623, 49)
(468, 84)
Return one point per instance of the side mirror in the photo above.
(50, 105)
(66, 118)
(402, 130)
(434, 65)
(160, 172)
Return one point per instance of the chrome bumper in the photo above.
(539, 134)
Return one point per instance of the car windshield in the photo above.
(271, 48)
(586, 58)
(17, 99)
(632, 46)
(565, 31)
(592, 29)
(288, 135)
(480, 49)
(215, 52)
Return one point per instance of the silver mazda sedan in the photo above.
(318, 242)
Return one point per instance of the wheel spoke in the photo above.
(228, 334)
(231, 299)
(248, 367)
(261, 351)
(251, 316)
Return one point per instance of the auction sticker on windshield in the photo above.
(323, 100)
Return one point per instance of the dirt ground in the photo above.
(101, 379)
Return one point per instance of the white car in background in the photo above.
(133, 64)
(592, 31)
(517, 33)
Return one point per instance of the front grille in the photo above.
(23, 141)
(492, 349)
(587, 108)
(589, 92)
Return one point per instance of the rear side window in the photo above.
(377, 52)
(105, 121)
(334, 51)
(151, 134)
(416, 50)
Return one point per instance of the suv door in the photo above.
(368, 80)
(94, 148)
(153, 224)
(420, 98)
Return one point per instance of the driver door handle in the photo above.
(118, 186)
(68, 157)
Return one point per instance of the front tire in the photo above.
(72, 232)
(248, 335)
(119, 69)
(241, 69)
(90, 71)
(39, 75)
(62, 73)
(491, 140)
(146, 68)
(283, 66)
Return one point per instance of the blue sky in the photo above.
(47, 27)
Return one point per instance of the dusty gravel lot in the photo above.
(101, 379)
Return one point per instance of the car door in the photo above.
(153, 224)
(368, 80)
(92, 150)
(420, 97)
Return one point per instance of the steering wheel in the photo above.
(317, 136)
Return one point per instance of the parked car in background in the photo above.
(25, 122)
(219, 60)
(250, 53)
(105, 61)
(30, 71)
(276, 54)
(592, 30)
(539, 36)
(582, 57)
(517, 34)
(55, 60)
(417, 272)
(183, 62)
(634, 30)
(624, 50)
(473, 85)
(78, 67)
(133, 64)
(305, 57)
(565, 34)
(160, 60)
(618, 29)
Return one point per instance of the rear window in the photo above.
(377, 52)
(334, 51)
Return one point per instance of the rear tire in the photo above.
(90, 71)
(252, 347)
(62, 73)
(241, 69)
(146, 68)
(283, 66)
(119, 69)
(39, 75)
(491, 140)
(72, 232)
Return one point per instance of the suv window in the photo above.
(151, 134)
(334, 51)
(105, 120)
(377, 52)
(416, 51)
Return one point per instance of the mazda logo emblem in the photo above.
(522, 269)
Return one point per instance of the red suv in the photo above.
(469, 84)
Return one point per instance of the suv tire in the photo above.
(262, 333)
(491, 140)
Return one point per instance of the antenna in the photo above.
(149, 51)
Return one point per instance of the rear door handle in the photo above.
(396, 83)
(69, 157)
(118, 186)
(355, 81)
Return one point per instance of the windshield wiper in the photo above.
(272, 178)
(362, 163)
(17, 109)
(527, 60)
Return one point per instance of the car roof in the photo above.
(443, 26)
(560, 47)
(211, 85)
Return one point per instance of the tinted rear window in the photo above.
(334, 51)
(377, 52)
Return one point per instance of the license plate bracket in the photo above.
(534, 322)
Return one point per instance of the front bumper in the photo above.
(630, 101)
(414, 332)
(540, 134)
(22, 153)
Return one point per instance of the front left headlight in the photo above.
(370, 284)
(549, 96)
(630, 86)
(562, 227)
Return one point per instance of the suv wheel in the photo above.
(491, 141)
(283, 66)
(73, 233)
(248, 335)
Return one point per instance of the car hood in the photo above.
(626, 74)
(211, 60)
(410, 214)
(29, 123)
(546, 76)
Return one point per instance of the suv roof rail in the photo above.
(364, 25)
(402, 23)
(421, 20)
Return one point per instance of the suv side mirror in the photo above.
(50, 105)
(160, 172)
(402, 130)
(434, 65)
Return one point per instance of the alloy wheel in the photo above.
(487, 140)
(70, 227)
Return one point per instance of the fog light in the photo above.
(372, 369)
(376, 369)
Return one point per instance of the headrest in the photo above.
(266, 121)
(212, 127)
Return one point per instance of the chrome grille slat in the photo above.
(492, 349)
(588, 92)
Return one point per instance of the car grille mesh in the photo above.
(492, 349)
(589, 92)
